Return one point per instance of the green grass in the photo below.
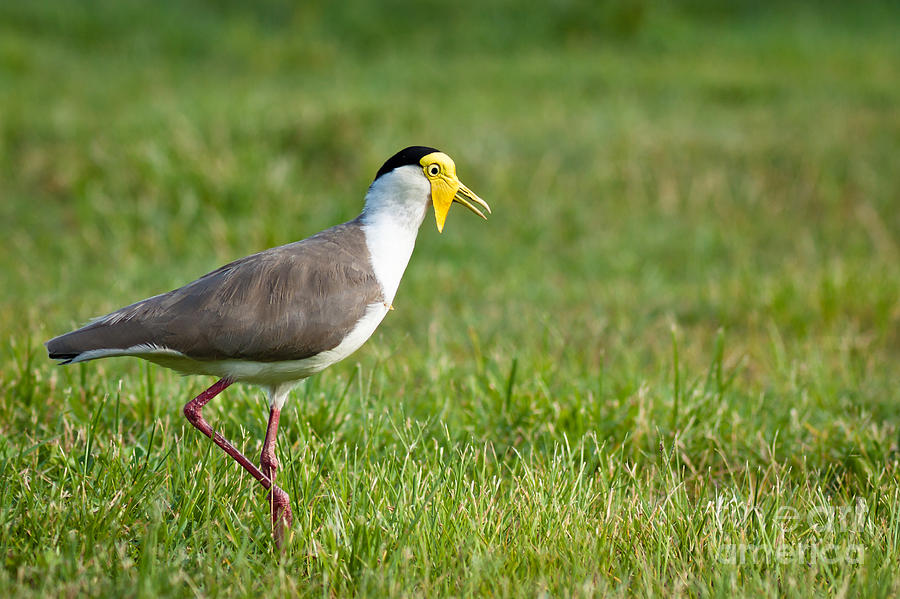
(667, 365)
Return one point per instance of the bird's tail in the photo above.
(68, 347)
(95, 340)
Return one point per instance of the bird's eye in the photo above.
(433, 170)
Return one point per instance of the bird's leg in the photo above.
(279, 503)
(193, 412)
(267, 460)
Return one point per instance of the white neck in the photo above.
(395, 208)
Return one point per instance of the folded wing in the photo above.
(286, 303)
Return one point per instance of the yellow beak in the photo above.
(445, 191)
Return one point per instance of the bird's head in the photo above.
(412, 164)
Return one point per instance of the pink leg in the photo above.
(279, 503)
(192, 411)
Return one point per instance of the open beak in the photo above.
(444, 192)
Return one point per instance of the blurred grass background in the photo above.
(691, 276)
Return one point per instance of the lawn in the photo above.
(666, 365)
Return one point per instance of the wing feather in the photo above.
(286, 303)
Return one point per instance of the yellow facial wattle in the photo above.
(446, 188)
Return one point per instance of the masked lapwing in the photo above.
(284, 314)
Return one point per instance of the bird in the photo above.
(276, 317)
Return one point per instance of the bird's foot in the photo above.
(282, 518)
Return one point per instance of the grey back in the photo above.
(286, 303)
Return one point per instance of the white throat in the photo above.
(396, 204)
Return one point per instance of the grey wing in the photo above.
(287, 303)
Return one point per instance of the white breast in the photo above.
(390, 248)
